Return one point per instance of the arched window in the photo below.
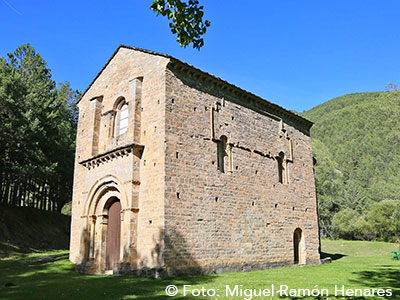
(224, 150)
(221, 152)
(281, 167)
(121, 118)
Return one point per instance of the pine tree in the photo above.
(37, 132)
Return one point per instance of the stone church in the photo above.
(180, 172)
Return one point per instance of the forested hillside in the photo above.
(356, 141)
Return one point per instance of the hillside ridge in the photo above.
(355, 141)
(338, 103)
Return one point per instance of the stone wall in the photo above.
(140, 178)
(242, 218)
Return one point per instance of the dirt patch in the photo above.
(25, 229)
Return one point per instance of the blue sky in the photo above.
(297, 54)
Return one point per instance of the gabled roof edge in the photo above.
(304, 120)
(112, 56)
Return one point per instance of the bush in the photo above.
(67, 209)
(384, 220)
(351, 225)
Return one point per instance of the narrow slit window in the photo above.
(280, 160)
(283, 175)
(221, 156)
(221, 153)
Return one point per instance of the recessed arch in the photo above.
(103, 205)
(101, 190)
(99, 211)
(119, 101)
(299, 253)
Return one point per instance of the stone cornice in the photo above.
(112, 154)
(255, 102)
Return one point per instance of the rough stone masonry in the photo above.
(180, 172)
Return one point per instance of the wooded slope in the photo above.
(356, 141)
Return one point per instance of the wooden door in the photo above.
(113, 235)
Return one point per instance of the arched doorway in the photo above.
(113, 245)
(298, 247)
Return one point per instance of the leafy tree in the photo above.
(350, 224)
(384, 220)
(186, 20)
(37, 132)
(329, 183)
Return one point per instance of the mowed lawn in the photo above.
(50, 275)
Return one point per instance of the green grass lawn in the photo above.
(51, 276)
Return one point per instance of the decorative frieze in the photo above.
(111, 155)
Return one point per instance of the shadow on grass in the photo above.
(43, 230)
(384, 277)
(54, 277)
(335, 256)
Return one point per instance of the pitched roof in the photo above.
(277, 107)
